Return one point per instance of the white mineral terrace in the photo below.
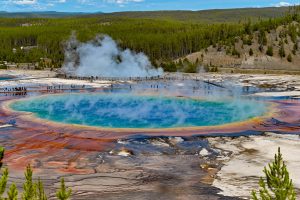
(241, 171)
(281, 82)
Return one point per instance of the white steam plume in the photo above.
(103, 58)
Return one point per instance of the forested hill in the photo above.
(41, 40)
(211, 16)
(208, 16)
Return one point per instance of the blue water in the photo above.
(3, 78)
(133, 111)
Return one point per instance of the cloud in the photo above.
(87, 2)
(282, 4)
(30, 5)
(25, 2)
(123, 1)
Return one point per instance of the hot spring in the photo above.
(4, 78)
(135, 111)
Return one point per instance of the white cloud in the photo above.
(282, 4)
(24, 2)
(87, 2)
(36, 4)
(285, 4)
(123, 1)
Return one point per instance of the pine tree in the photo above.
(289, 58)
(277, 184)
(40, 191)
(248, 27)
(29, 187)
(12, 193)
(251, 52)
(1, 156)
(295, 47)
(261, 48)
(281, 50)
(3, 180)
(63, 193)
(270, 51)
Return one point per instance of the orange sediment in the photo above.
(72, 148)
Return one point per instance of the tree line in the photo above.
(162, 40)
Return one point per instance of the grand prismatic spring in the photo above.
(133, 111)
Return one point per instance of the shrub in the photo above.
(63, 193)
(235, 52)
(270, 51)
(289, 58)
(261, 48)
(29, 188)
(249, 42)
(13, 192)
(281, 50)
(40, 191)
(251, 52)
(3, 180)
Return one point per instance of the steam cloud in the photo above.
(103, 58)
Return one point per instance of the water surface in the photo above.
(134, 111)
(4, 78)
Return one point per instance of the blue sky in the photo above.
(133, 5)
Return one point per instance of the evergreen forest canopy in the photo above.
(163, 37)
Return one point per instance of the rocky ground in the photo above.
(248, 155)
(177, 168)
(150, 168)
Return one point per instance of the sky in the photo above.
(133, 5)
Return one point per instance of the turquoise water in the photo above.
(133, 111)
(3, 78)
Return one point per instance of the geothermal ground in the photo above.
(218, 162)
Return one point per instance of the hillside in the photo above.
(208, 16)
(272, 51)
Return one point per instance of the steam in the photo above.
(103, 58)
